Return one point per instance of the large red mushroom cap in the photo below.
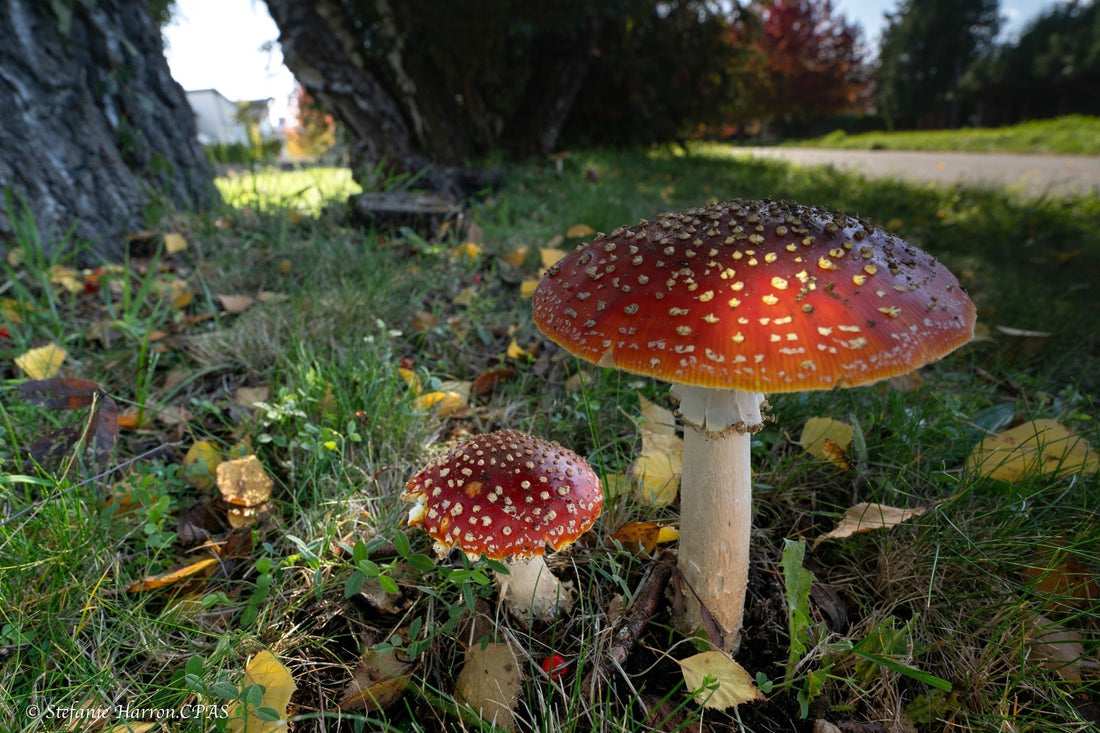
(505, 494)
(762, 296)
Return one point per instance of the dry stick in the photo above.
(629, 628)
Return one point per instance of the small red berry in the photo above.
(555, 667)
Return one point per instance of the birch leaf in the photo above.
(864, 517)
(265, 669)
(656, 470)
(1042, 447)
(490, 683)
(734, 685)
(819, 432)
(43, 362)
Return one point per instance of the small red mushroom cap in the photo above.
(505, 494)
(761, 296)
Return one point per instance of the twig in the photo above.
(629, 628)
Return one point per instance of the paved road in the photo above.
(1032, 175)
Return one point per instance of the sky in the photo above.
(218, 44)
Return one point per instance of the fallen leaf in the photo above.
(134, 419)
(655, 472)
(411, 379)
(68, 278)
(447, 403)
(734, 685)
(249, 396)
(43, 362)
(378, 681)
(516, 256)
(236, 303)
(579, 230)
(644, 536)
(174, 243)
(200, 465)
(578, 381)
(549, 255)
(468, 249)
(423, 321)
(1062, 579)
(1043, 447)
(515, 351)
(819, 431)
(465, 296)
(264, 669)
(864, 517)
(12, 310)
(199, 569)
(244, 482)
(1058, 649)
(490, 682)
(59, 393)
(487, 381)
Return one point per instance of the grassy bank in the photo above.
(318, 366)
(1071, 135)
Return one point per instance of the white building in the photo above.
(220, 120)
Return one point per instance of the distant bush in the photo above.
(242, 154)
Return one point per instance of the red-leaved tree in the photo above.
(814, 63)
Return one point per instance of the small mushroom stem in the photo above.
(530, 590)
(716, 506)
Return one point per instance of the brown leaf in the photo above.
(487, 381)
(59, 393)
(490, 682)
(236, 303)
(379, 681)
(644, 536)
(864, 517)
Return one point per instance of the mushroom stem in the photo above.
(716, 506)
(531, 591)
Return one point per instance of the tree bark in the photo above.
(98, 137)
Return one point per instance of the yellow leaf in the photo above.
(894, 225)
(515, 351)
(67, 278)
(1042, 447)
(468, 249)
(265, 669)
(527, 288)
(174, 243)
(411, 378)
(465, 296)
(818, 430)
(244, 482)
(248, 396)
(580, 230)
(703, 672)
(16, 256)
(490, 682)
(447, 403)
(866, 516)
(656, 470)
(12, 310)
(199, 569)
(200, 465)
(43, 362)
(550, 255)
(644, 536)
(516, 256)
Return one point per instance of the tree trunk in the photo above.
(319, 49)
(97, 136)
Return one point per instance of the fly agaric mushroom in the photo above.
(507, 495)
(733, 300)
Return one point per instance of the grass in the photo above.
(1069, 135)
(955, 594)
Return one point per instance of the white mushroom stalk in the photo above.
(716, 503)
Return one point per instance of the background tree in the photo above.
(422, 83)
(97, 135)
(925, 49)
(314, 133)
(1052, 69)
(814, 63)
